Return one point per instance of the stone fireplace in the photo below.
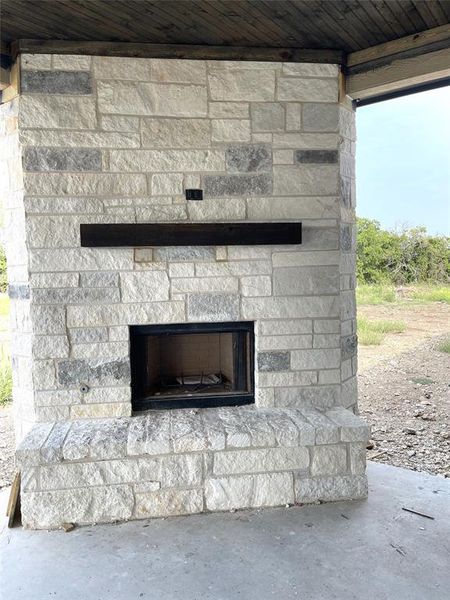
(252, 346)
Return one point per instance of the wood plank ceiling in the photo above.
(348, 25)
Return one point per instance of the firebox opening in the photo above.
(195, 365)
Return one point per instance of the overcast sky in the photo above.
(403, 161)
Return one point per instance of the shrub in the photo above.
(399, 258)
(3, 276)
(5, 378)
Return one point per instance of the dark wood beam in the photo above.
(190, 234)
(198, 52)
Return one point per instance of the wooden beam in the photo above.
(399, 74)
(199, 52)
(189, 234)
(426, 41)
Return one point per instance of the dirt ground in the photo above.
(404, 389)
(404, 393)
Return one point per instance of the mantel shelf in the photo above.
(190, 234)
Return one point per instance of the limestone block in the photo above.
(310, 70)
(52, 111)
(76, 296)
(119, 334)
(96, 411)
(148, 285)
(327, 432)
(125, 314)
(183, 470)
(58, 205)
(230, 130)
(87, 474)
(250, 86)
(152, 99)
(298, 281)
(353, 428)
(86, 184)
(317, 358)
(329, 489)
(56, 82)
(71, 62)
(238, 268)
(48, 510)
(228, 110)
(51, 449)
(293, 117)
(175, 133)
(56, 397)
(217, 307)
(50, 346)
(291, 307)
(52, 413)
(305, 180)
(149, 434)
(84, 139)
(78, 371)
(182, 253)
(178, 71)
(327, 326)
(283, 157)
(163, 214)
(274, 361)
(269, 489)
(326, 340)
(268, 116)
(28, 451)
(105, 395)
(207, 284)
(167, 503)
(101, 439)
(284, 342)
(99, 279)
(305, 259)
(261, 460)
(285, 327)
(55, 280)
(237, 185)
(295, 208)
(320, 238)
(48, 320)
(264, 397)
(256, 285)
(187, 431)
(166, 184)
(43, 374)
(139, 161)
(248, 158)
(36, 61)
(306, 141)
(214, 429)
(237, 433)
(287, 379)
(81, 259)
(102, 350)
(292, 89)
(320, 117)
(108, 67)
(329, 460)
(120, 123)
(217, 210)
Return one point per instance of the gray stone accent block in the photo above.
(248, 158)
(349, 346)
(19, 291)
(274, 361)
(56, 82)
(217, 186)
(74, 372)
(294, 281)
(207, 307)
(316, 156)
(346, 237)
(182, 253)
(62, 159)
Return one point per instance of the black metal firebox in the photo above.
(195, 365)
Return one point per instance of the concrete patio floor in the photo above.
(362, 550)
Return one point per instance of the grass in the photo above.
(372, 333)
(445, 346)
(375, 294)
(5, 378)
(432, 294)
(4, 305)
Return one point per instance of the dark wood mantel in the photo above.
(190, 234)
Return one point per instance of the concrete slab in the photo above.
(354, 550)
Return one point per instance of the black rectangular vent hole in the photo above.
(192, 194)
